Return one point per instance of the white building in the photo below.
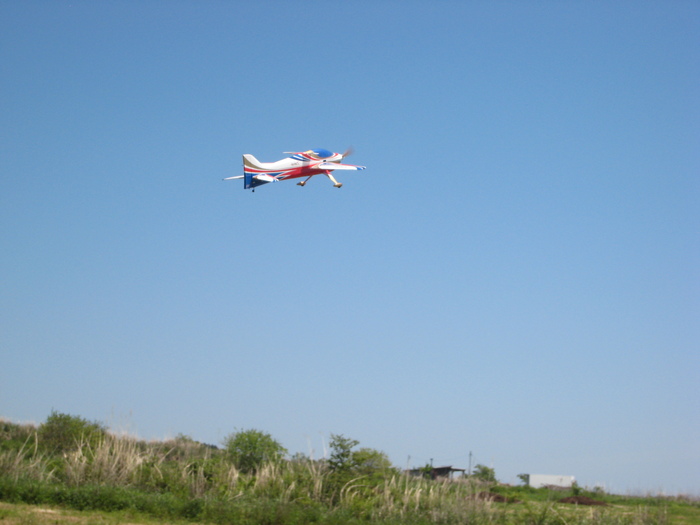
(537, 481)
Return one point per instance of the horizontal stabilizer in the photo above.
(264, 178)
(236, 177)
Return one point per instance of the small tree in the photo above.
(341, 453)
(362, 462)
(484, 473)
(64, 433)
(249, 449)
(525, 478)
(426, 471)
(346, 465)
(369, 461)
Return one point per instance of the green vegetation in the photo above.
(249, 450)
(63, 433)
(484, 473)
(70, 464)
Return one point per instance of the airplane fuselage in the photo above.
(296, 166)
(284, 171)
(304, 164)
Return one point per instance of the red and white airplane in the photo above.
(305, 164)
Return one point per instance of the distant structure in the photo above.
(445, 472)
(537, 481)
(436, 472)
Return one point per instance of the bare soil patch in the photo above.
(496, 498)
(583, 500)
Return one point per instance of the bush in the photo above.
(484, 473)
(341, 453)
(64, 433)
(14, 437)
(182, 479)
(249, 449)
(362, 462)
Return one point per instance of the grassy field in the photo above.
(21, 514)
(525, 513)
(68, 470)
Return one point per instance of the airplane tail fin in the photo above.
(252, 167)
(249, 161)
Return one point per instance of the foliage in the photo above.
(63, 433)
(426, 471)
(484, 473)
(362, 462)
(250, 449)
(341, 453)
(182, 479)
(368, 461)
(14, 436)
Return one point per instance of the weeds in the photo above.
(26, 463)
(184, 480)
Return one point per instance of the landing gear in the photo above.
(335, 182)
(328, 174)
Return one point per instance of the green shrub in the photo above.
(250, 449)
(62, 433)
(182, 479)
(484, 473)
(13, 437)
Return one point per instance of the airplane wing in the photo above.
(336, 166)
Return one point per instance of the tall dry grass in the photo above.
(113, 461)
(202, 475)
(26, 463)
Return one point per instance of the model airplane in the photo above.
(305, 164)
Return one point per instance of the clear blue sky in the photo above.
(515, 274)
